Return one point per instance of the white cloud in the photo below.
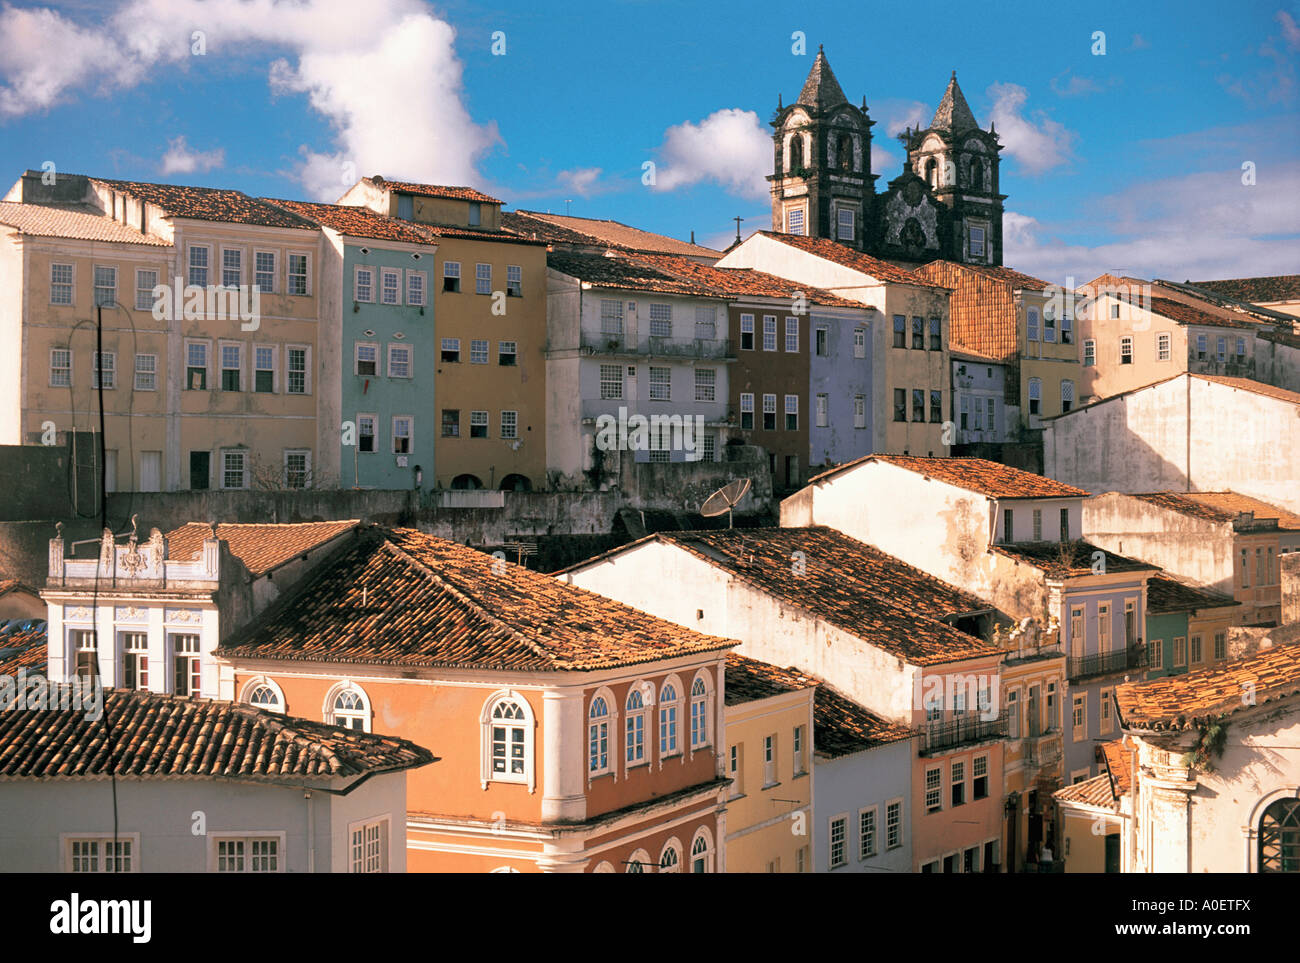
(729, 147)
(582, 181)
(388, 83)
(901, 115)
(1202, 225)
(1290, 30)
(1037, 145)
(179, 159)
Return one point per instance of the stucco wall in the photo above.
(849, 784)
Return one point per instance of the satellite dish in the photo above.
(725, 498)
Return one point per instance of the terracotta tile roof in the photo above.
(847, 257)
(355, 221)
(1096, 791)
(1219, 506)
(969, 354)
(479, 234)
(1104, 282)
(1282, 287)
(8, 585)
(1118, 760)
(209, 204)
(19, 650)
(432, 190)
(629, 274)
(974, 474)
(260, 547)
(1168, 594)
(1186, 701)
(842, 726)
(1069, 559)
(562, 228)
(79, 222)
(1186, 314)
(982, 308)
(162, 736)
(1246, 384)
(1016, 279)
(400, 597)
(749, 680)
(1278, 336)
(853, 586)
(740, 282)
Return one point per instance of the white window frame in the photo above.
(274, 272)
(417, 293)
(509, 425)
(70, 284)
(151, 372)
(239, 253)
(306, 360)
(369, 287)
(410, 434)
(146, 302)
(289, 275)
(306, 480)
(131, 839)
(482, 278)
(410, 361)
(507, 349)
(384, 831)
(514, 281)
(668, 720)
(247, 838)
(54, 383)
(111, 370)
(332, 715)
(894, 805)
(190, 267)
(528, 723)
(1079, 733)
(373, 418)
(859, 342)
(769, 332)
(243, 453)
(385, 276)
(207, 363)
(221, 363)
(600, 728)
(869, 834)
(700, 710)
(356, 358)
(843, 860)
(706, 384)
(823, 410)
(480, 351)
(791, 335)
(274, 369)
(1164, 346)
(859, 411)
(451, 271)
(260, 682)
(479, 419)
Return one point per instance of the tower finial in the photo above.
(778, 102)
(819, 48)
(954, 75)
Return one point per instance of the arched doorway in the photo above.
(516, 483)
(466, 482)
(1279, 837)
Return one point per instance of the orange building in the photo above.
(580, 735)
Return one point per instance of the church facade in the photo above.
(944, 205)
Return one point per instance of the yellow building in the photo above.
(1095, 814)
(769, 720)
(489, 314)
(218, 390)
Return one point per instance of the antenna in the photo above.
(725, 498)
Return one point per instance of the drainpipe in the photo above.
(1187, 421)
(311, 831)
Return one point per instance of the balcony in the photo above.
(1105, 663)
(1041, 751)
(686, 349)
(968, 728)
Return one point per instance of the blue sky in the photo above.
(1130, 160)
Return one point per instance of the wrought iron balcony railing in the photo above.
(967, 728)
(1103, 663)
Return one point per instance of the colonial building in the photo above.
(945, 203)
(1187, 627)
(580, 735)
(588, 235)
(981, 414)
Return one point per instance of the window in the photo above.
(403, 429)
(706, 322)
(1180, 651)
(800, 747)
(823, 402)
(104, 367)
(509, 740)
(769, 332)
(1130, 623)
(60, 368)
(510, 424)
(1220, 646)
(1103, 627)
(859, 342)
(611, 381)
(1241, 350)
(1114, 311)
(894, 825)
(958, 783)
(838, 838)
(1279, 837)
(145, 282)
(1155, 653)
(297, 370)
(451, 350)
(1035, 396)
(1013, 714)
(415, 288)
(846, 224)
(821, 347)
(702, 853)
(391, 289)
(369, 850)
(349, 708)
(1126, 350)
(900, 331)
(668, 709)
(791, 412)
(85, 653)
(1031, 323)
(769, 412)
(231, 367)
(507, 354)
(482, 278)
(1038, 524)
(366, 433)
(669, 861)
(297, 468)
(933, 790)
(297, 274)
(859, 411)
(900, 404)
(186, 665)
(746, 329)
(198, 274)
(478, 351)
(1089, 352)
(1067, 336)
(263, 368)
(99, 855)
(1222, 351)
(936, 407)
(135, 660)
(1103, 709)
(746, 407)
(980, 777)
(1162, 347)
(918, 404)
(1259, 567)
(991, 412)
(1245, 568)
(234, 473)
(661, 386)
(478, 423)
(769, 761)
(1052, 720)
(699, 713)
(514, 281)
(791, 334)
(451, 277)
(251, 854)
(936, 334)
(367, 359)
(977, 242)
(918, 334)
(794, 221)
(611, 316)
(475, 213)
(1049, 328)
(264, 271)
(1202, 346)
(146, 372)
(1198, 654)
(1008, 529)
(634, 727)
(1079, 717)
(60, 284)
(598, 736)
(705, 383)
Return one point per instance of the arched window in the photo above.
(264, 694)
(669, 711)
(932, 172)
(976, 174)
(639, 861)
(466, 482)
(347, 706)
(670, 859)
(634, 725)
(507, 725)
(1279, 837)
(516, 483)
(702, 852)
(796, 152)
(598, 719)
(604, 867)
(505, 869)
(699, 713)
(845, 160)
